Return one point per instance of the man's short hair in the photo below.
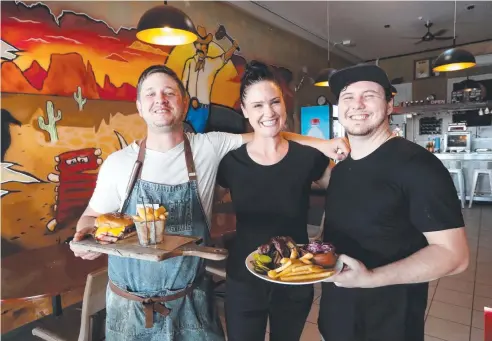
(159, 69)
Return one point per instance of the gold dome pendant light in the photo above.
(325, 74)
(393, 91)
(166, 25)
(454, 59)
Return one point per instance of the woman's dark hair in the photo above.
(256, 72)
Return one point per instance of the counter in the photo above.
(465, 156)
(471, 161)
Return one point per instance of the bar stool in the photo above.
(485, 169)
(456, 167)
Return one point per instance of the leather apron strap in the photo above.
(190, 164)
(137, 168)
(152, 304)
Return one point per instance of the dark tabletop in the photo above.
(45, 272)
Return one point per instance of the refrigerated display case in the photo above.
(338, 130)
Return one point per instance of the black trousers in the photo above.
(392, 313)
(248, 305)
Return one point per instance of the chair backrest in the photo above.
(94, 301)
(319, 229)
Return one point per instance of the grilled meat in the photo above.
(279, 247)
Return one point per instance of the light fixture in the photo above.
(393, 91)
(469, 84)
(454, 59)
(166, 25)
(325, 74)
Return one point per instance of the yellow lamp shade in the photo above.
(453, 60)
(166, 25)
(393, 91)
(323, 77)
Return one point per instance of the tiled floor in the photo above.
(455, 306)
(455, 309)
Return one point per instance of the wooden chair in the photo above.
(93, 303)
(218, 269)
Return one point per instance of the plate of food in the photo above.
(281, 260)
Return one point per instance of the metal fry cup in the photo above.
(150, 232)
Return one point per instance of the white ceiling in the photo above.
(363, 22)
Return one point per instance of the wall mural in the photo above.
(68, 86)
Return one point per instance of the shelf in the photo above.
(450, 107)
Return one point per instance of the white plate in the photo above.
(338, 269)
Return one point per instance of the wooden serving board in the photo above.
(131, 248)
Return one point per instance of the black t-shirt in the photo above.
(268, 200)
(378, 207)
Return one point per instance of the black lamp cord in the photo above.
(454, 25)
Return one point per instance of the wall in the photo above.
(421, 88)
(404, 67)
(69, 71)
(481, 136)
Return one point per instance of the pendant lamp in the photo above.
(166, 25)
(325, 74)
(393, 91)
(454, 59)
(469, 84)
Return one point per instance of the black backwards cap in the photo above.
(362, 72)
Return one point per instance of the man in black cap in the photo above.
(393, 214)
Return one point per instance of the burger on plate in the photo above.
(118, 225)
(323, 253)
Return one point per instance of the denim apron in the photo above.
(192, 317)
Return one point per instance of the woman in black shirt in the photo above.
(270, 180)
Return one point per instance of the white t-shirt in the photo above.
(164, 168)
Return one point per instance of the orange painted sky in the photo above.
(34, 31)
(36, 34)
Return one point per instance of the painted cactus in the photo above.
(79, 99)
(50, 127)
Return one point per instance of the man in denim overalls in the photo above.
(169, 178)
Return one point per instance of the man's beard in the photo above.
(165, 128)
(162, 127)
(366, 129)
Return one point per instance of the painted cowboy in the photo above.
(198, 78)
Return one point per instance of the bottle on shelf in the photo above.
(437, 144)
(430, 145)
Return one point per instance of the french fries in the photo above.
(307, 277)
(284, 265)
(294, 254)
(307, 256)
(296, 270)
(150, 214)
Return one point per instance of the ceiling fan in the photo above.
(429, 36)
